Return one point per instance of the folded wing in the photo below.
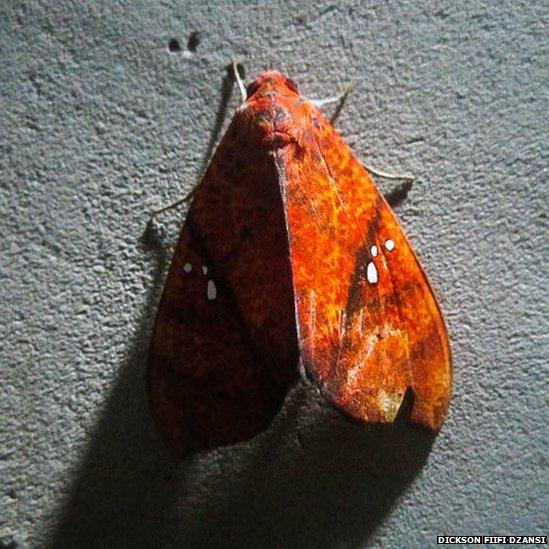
(369, 326)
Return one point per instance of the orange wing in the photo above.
(369, 326)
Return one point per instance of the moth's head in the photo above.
(269, 82)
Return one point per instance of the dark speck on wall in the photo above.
(193, 42)
(174, 45)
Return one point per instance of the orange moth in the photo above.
(290, 260)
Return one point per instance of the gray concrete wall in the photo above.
(100, 123)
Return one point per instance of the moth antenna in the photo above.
(395, 176)
(239, 81)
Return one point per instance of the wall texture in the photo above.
(101, 122)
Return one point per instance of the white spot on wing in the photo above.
(373, 251)
(371, 273)
(211, 292)
(389, 245)
(204, 269)
(187, 267)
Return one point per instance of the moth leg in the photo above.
(185, 199)
(339, 98)
(189, 196)
(395, 176)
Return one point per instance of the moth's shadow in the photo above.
(315, 478)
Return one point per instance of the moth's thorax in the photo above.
(273, 106)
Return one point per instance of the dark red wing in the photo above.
(224, 348)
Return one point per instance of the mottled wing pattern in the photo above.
(288, 253)
(368, 325)
(224, 346)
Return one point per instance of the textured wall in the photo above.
(101, 122)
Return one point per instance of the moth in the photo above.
(290, 261)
